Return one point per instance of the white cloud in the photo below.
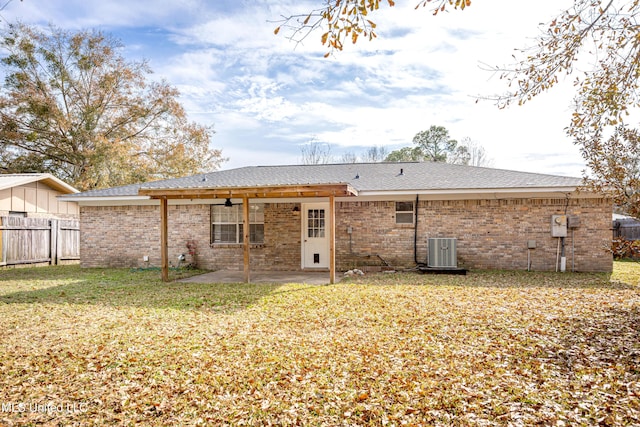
(75, 14)
(263, 91)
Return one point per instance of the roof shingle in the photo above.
(364, 177)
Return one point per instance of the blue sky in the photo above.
(266, 96)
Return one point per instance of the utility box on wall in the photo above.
(558, 226)
(573, 221)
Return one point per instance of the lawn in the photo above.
(119, 347)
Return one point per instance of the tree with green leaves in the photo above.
(433, 145)
(405, 154)
(72, 106)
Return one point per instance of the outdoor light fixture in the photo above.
(228, 203)
(296, 209)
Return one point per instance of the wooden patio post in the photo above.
(164, 247)
(246, 236)
(332, 239)
(3, 241)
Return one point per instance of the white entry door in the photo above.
(315, 235)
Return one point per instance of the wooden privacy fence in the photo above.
(628, 229)
(38, 240)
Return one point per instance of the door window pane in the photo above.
(315, 223)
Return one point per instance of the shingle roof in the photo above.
(364, 177)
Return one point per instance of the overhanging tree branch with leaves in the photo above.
(344, 20)
(603, 35)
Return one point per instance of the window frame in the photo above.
(403, 213)
(232, 216)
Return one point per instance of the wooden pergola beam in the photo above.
(287, 191)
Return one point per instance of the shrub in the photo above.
(623, 248)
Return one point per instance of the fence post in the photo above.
(59, 252)
(3, 242)
(53, 241)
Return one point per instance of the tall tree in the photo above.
(405, 154)
(73, 106)
(375, 154)
(476, 153)
(434, 145)
(349, 157)
(315, 152)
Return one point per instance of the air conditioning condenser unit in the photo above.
(442, 253)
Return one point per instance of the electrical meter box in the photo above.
(558, 226)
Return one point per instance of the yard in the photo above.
(96, 346)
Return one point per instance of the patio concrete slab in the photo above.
(227, 276)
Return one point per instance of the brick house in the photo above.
(341, 216)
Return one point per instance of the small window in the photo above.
(404, 212)
(226, 224)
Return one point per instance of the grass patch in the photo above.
(121, 288)
(112, 346)
(627, 271)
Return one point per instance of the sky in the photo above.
(267, 96)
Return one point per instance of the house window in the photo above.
(404, 212)
(227, 224)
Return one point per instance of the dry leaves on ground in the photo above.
(95, 347)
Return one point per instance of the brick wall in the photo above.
(490, 233)
(120, 236)
(375, 236)
(282, 232)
